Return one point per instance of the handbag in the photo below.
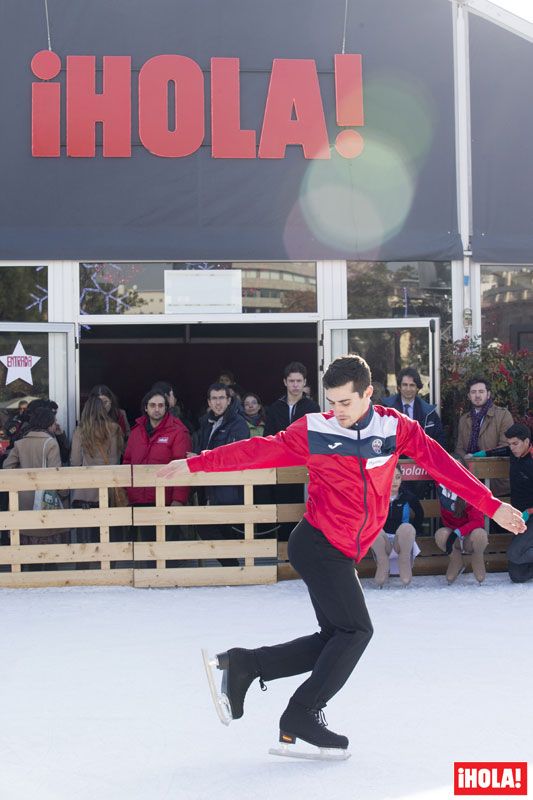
(46, 499)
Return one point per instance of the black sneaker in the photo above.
(308, 724)
(240, 669)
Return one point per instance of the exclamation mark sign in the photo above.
(349, 103)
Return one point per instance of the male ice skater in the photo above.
(350, 453)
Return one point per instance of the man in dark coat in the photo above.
(520, 452)
(282, 413)
(408, 402)
(293, 404)
(221, 425)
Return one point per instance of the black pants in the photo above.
(345, 627)
(520, 555)
(520, 573)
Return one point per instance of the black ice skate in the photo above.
(309, 725)
(239, 669)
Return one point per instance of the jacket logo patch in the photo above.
(335, 445)
(162, 440)
(376, 446)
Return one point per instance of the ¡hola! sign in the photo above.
(293, 114)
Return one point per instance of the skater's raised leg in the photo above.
(345, 630)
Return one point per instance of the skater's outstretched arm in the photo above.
(286, 449)
(413, 442)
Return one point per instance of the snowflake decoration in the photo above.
(38, 300)
(110, 296)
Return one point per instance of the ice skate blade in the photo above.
(220, 701)
(312, 753)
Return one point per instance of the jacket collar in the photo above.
(365, 421)
(166, 422)
(231, 412)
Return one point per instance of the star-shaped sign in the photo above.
(19, 364)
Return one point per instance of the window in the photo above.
(24, 294)
(401, 289)
(127, 288)
(507, 305)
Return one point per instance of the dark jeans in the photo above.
(345, 627)
(520, 555)
(520, 573)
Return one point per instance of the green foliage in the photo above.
(17, 285)
(510, 374)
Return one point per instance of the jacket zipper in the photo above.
(363, 476)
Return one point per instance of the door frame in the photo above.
(67, 386)
(342, 326)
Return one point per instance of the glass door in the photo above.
(388, 345)
(37, 360)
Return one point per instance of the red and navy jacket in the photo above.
(350, 470)
(170, 440)
(471, 519)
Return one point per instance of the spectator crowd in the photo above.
(165, 431)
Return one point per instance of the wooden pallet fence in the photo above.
(248, 549)
(431, 560)
(134, 562)
(63, 564)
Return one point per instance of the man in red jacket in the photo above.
(350, 453)
(157, 438)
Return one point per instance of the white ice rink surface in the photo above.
(103, 695)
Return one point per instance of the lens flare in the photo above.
(355, 205)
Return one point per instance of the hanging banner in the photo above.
(228, 131)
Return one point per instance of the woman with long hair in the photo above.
(109, 399)
(97, 441)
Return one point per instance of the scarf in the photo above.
(477, 418)
(254, 419)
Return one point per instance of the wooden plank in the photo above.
(219, 548)
(66, 518)
(160, 497)
(65, 553)
(205, 576)
(203, 515)
(90, 577)
(431, 508)
(147, 476)
(489, 467)
(249, 526)
(291, 475)
(103, 502)
(14, 537)
(18, 480)
(287, 573)
(290, 512)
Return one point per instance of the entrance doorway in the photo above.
(389, 345)
(37, 362)
(131, 358)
